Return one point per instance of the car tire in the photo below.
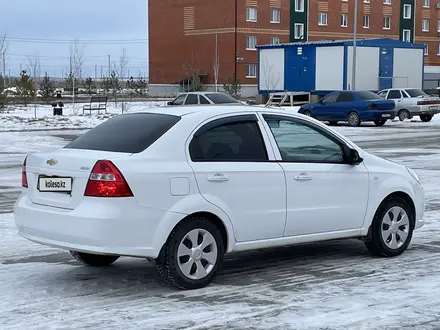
(333, 123)
(353, 119)
(425, 118)
(94, 260)
(196, 266)
(403, 114)
(393, 220)
(379, 123)
(307, 113)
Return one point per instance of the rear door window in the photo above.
(192, 99)
(236, 139)
(203, 100)
(130, 133)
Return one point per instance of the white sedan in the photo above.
(182, 186)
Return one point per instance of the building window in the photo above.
(344, 20)
(406, 35)
(366, 1)
(251, 70)
(299, 5)
(274, 40)
(407, 11)
(322, 18)
(366, 21)
(438, 50)
(438, 25)
(251, 42)
(426, 3)
(387, 2)
(425, 25)
(426, 52)
(386, 22)
(298, 31)
(251, 14)
(275, 16)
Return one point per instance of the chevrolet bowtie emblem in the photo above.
(51, 162)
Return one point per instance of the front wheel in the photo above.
(425, 118)
(392, 228)
(307, 113)
(379, 123)
(353, 119)
(193, 254)
(95, 260)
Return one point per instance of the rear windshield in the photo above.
(415, 92)
(131, 133)
(366, 95)
(219, 98)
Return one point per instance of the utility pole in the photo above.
(4, 70)
(96, 71)
(109, 73)
(353, 73)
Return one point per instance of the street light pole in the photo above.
(353, 71)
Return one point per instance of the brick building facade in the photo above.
(182, 33)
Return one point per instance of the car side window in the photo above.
(203, 100)
(229, 139)
(192, 99)
(345, 97)
(405, 94)
(383, 94)
(394, 94)
(179, 100)
(330, 98)
(302, 143)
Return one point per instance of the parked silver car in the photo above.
(191, 98)
(412, 102)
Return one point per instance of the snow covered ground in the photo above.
(331, 285)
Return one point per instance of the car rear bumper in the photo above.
(378, 115)
(424, 110)
(100, 226)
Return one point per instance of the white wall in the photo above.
(367, 67)
(329, 68)
(407, 68)
(271, 64)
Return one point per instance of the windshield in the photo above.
(366, 95)
(219, 98)
(415, 92)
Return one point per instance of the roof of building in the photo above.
(381, 42)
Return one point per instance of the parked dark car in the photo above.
(353, 107)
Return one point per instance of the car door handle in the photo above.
(302, 177)
(217, 177)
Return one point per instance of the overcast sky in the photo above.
(94, 20)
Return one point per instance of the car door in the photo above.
(324, 108)
(344, 104)
(324, 194)
(232, 168)
(396, 95)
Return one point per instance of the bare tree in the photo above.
(76, 59)
(123, 62)
(192, 72)
(35, 66)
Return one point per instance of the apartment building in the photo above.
(184, 36)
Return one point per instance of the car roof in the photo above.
(211, 110)
(202, 93)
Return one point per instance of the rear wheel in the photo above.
(379, 122)
(425, 118)
(308, 113)
(403, 114)
(392, 228)
(333, 123)
(193, 254)
(353, 119)
(95, 260)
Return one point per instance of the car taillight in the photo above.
(372, 106)
(24, 182)
(107, 181)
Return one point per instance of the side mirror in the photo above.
(352, 156)
(320, 101)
